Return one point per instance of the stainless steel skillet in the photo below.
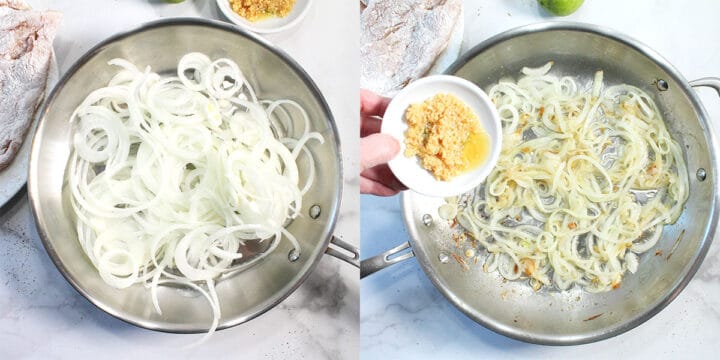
(573, 317)
(245, 295)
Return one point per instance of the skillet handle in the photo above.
(343, 255)
(379, 262)
(711, 82)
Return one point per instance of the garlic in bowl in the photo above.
(265, 16)
(449, 133)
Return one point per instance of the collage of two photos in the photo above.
(400, 179)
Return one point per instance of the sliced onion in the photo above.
(169, 176)
(571, 158)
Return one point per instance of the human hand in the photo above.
(376, 149)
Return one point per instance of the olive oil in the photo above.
(476, 150)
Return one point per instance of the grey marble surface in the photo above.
(43, 317)
(404, 317)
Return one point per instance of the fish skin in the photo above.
(26, 38)
(401, 39)
(15, 4)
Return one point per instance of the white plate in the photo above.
(269, 25)
(408, 169)
(14, 177)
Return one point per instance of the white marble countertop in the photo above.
(42, 316)
(404, 317)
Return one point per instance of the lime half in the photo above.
(560, 7)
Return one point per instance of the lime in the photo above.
(173, 1)
(560, 7)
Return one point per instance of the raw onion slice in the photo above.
(170, 176)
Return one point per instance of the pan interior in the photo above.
(549, 316)
(243, 295)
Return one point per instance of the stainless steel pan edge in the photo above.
(327, 242)
(373, 264)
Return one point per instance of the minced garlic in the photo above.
(446, 135)
(255, 10)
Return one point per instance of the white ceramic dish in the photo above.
(269, 25)
(14, 177)
(408, 169)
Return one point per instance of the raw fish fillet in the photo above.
(26, 38)
(401, 39)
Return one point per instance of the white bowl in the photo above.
(408, 169)
(269, 25)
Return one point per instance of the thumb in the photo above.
(377, 149)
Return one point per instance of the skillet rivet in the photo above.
(427, 220)
(662, 85)
(701, 174)
(314, 211)
(443, 257)
(293, 255)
